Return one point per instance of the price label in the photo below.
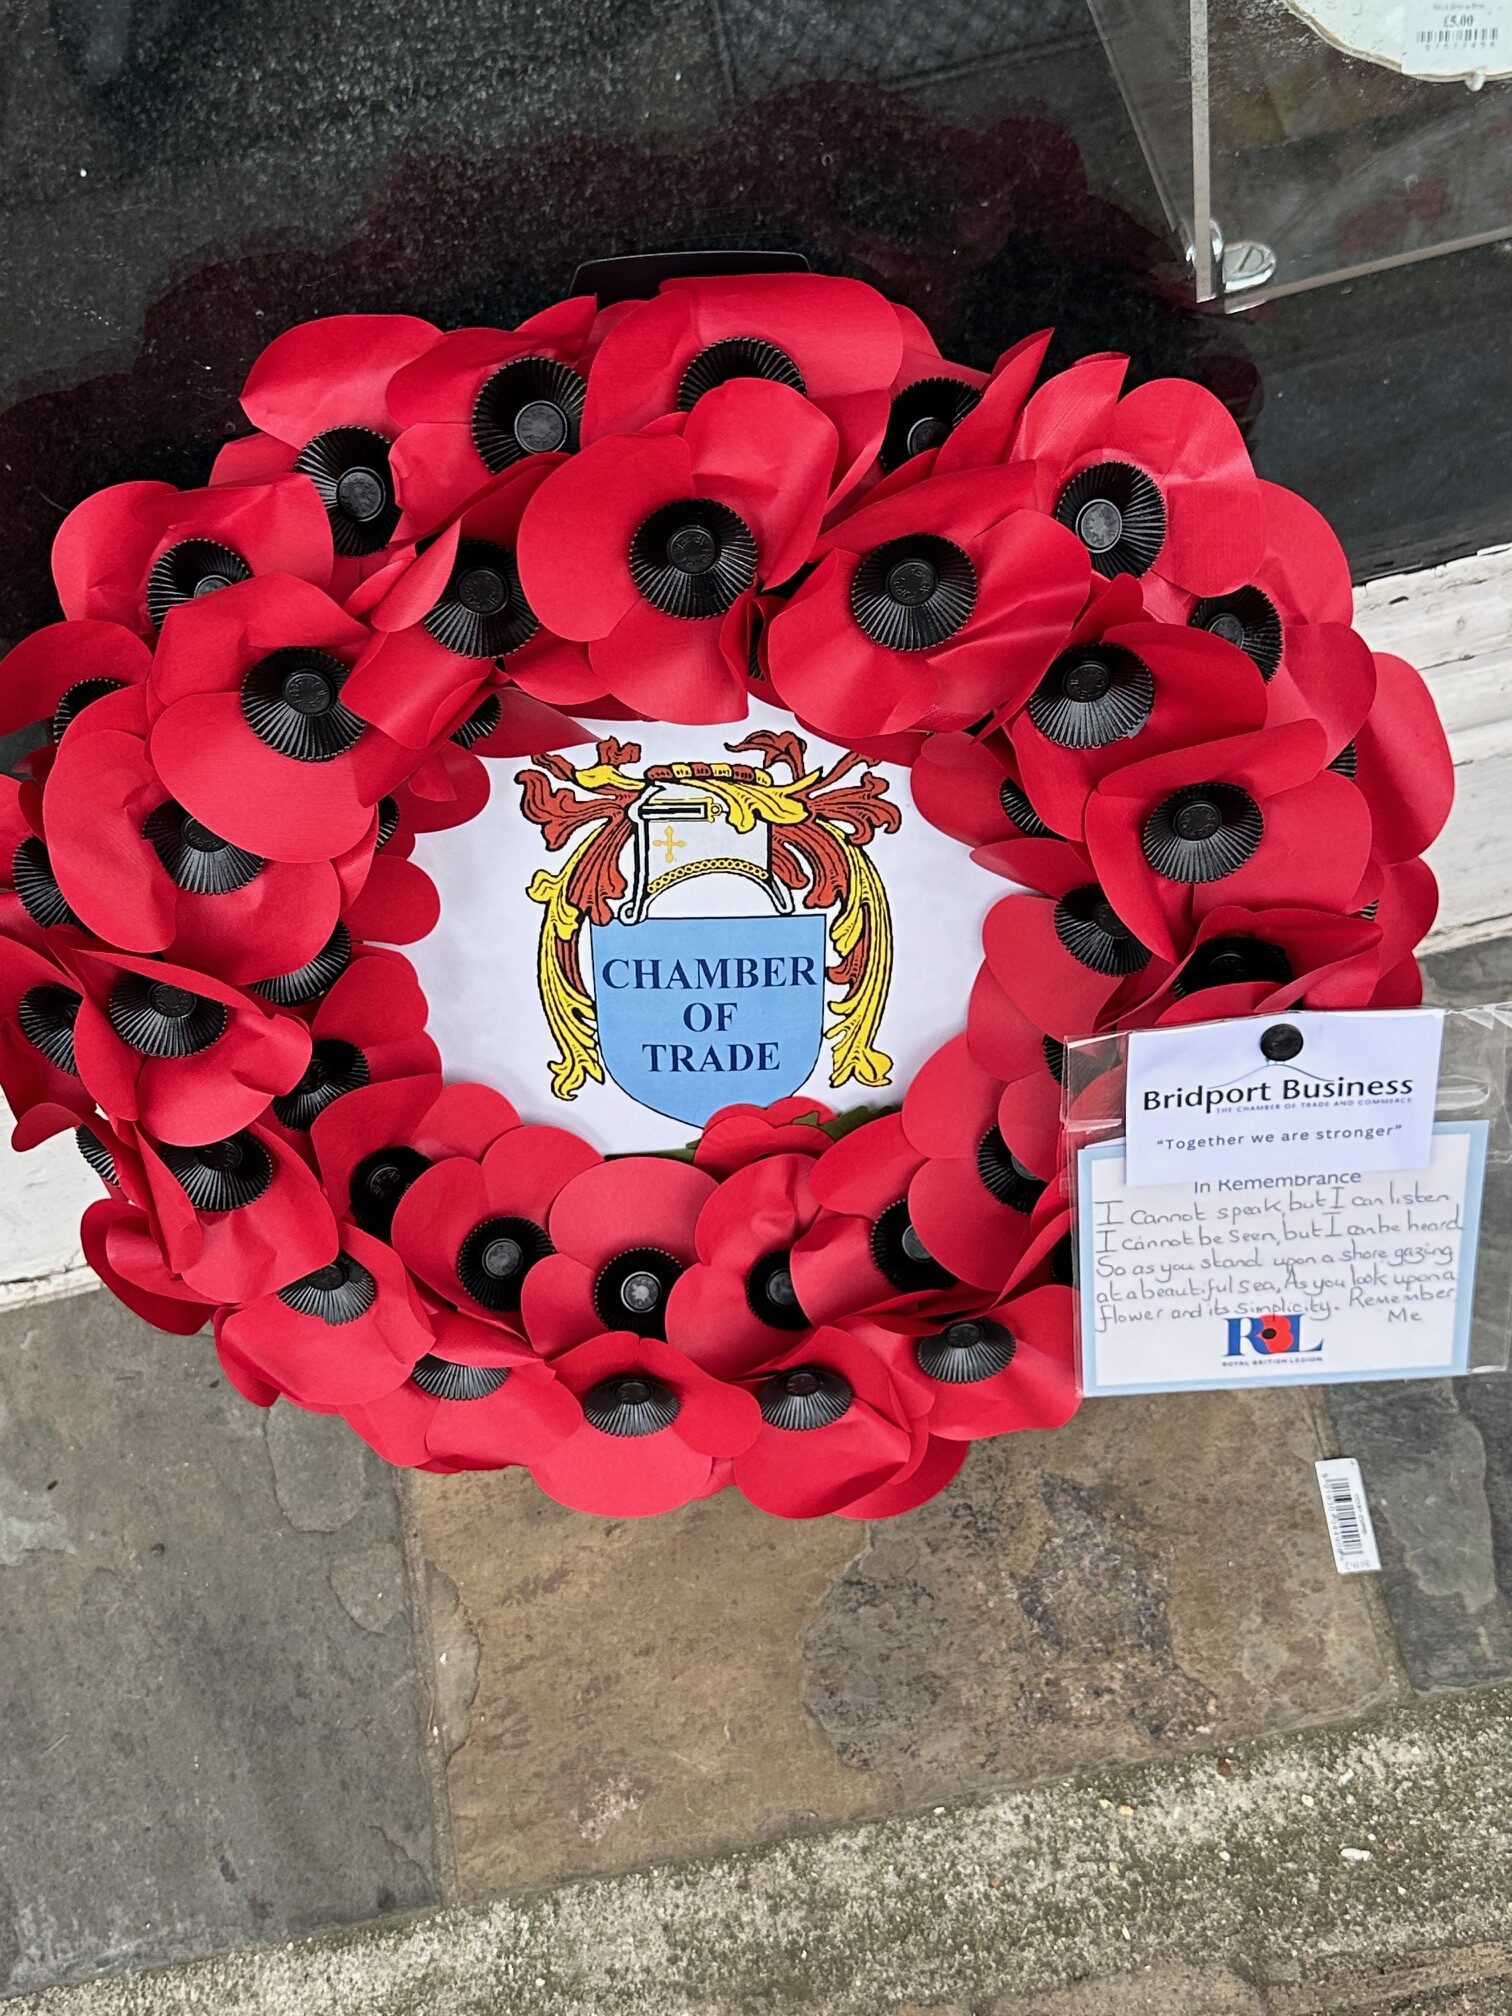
(1452, 38)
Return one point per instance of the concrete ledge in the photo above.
(1350, 1869)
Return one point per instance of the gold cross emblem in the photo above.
(672, 845)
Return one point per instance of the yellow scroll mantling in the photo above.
(862, 924)
(863, 919)
(569, 1010)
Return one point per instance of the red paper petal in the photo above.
(332, 372)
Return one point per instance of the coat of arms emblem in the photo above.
(713, 926)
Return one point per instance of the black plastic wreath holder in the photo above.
(633, 276)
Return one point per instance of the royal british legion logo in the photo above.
(1268, 1337)
(735, 923)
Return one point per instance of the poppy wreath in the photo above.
(1119, 666)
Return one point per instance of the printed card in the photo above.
(1303, 1096)
(1248, 1279)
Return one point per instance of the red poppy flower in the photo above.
(737, 1307)
(1064, 957)
(655, 1429)
(31, 903)
(1401, 902)
(929, 608)
(1257, 962)
(342, 1335)
(863, 1252)
(113, 1227)
(56, 673)
(837, 342)
(178, 1052)
(142, 873)
(1254, 820)
(388, 898)
(1158, 481)
(738, 1135)
(1400, 759)
(472, 1227)
(944, 417)
(1029, 1065)
(1122, 689)
(369, 1028)
(623, 1232)
(423, 812)
(924, 1477)
(994, 1372)
(131, 553)
(640, 545)
(478, 1400)
(984, 434)
(835, 1428)
(317, 398)
(394, 902)
(1400, 987)
(40, 1000)
(231, 1219)
(927, 400)
(1292, 618)
(241, 1375)
(449, 787)
(1300, 578)
(972, 1198)
(109, 1151)
(372, 1144)
(452, 620)
(1049, 1259)
(254, 737)
(481, 400)
(969, 787)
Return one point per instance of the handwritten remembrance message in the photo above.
(1343, 1275)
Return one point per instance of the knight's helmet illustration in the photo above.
(681, 834)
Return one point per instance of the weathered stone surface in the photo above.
(639, 1684)
(1154, 1576)
(1434, 1457)
(210, 1721)
(1329, 1872)
(1470, 975)
(1165, 1989)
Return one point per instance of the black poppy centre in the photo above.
(378, 1182)
(901, 1255)
(291, 701)
(482, 612)
(911, 594)
(1118, 514)
(770, 1293)
(693, 559)
(1202, 832)
(631, 1292)
(192, 568)
(495, 1257)
(532, 406)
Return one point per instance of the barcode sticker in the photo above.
(1348, 1516)
(1450, 38)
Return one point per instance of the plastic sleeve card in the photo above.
(1279, 1249)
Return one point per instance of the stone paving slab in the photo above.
(211, 1723)
(1152, 1578)
(1359, 1871)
